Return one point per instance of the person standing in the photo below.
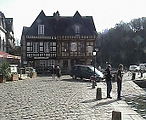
(108, 79)
(119, 81)
(53, 72)
(58, 72)
(141, 73)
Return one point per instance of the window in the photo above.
(54, 43)
(28, 43)
(77, 29)
(89, 48)
(41, 43)
(40, 29)
(81, 48)
(29, 46)
(73, 46)
(53, 49)
(89, 43)
(41, 47)
(47, 47)
(65, 49)
(28, 49)
(35, 47)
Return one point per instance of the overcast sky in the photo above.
(106, 13)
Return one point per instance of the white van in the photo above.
(134, 68)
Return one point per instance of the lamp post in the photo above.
(94, 77)
(94, 55)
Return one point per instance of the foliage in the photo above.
(125, 43)
(5, 70)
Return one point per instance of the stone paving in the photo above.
(45, 99)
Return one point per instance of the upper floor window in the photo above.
(77, 29)
(40, 29)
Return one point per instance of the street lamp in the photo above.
(94, 79)
(94, 55)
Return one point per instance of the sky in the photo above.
(106, 13)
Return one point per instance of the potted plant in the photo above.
(4, 71)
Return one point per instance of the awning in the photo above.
(8, 56)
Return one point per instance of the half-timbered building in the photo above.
(58, 40)
(7, 40)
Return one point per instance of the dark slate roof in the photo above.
(57, 25)
(24, 31)
(6, 23)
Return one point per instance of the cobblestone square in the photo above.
(45, 99)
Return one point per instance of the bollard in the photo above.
(93, 84)
(116, 115)
(20, 74)
(98, 94)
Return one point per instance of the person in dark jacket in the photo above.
(53, 72)
(108, 79)
(58, 72)
(119, 81)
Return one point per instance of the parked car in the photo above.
(142, 66)
(85, 71)
(134, 68)
(29, 69)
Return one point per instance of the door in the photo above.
(42, 66)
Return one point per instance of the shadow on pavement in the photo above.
(75, 80)
(104, 103)
(89, 101)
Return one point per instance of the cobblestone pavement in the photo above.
(46, 99)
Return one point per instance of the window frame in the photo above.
(41, 29)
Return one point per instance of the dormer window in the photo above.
(77, 29)
(40, 29)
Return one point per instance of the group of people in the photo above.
(108, 79)
(56, 71)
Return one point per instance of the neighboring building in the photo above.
(58, 40)
(6, 34)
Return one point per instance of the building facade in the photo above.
(58, 40)
(7, 41)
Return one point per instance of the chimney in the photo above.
(56, 14)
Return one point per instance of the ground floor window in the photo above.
(42, 66)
